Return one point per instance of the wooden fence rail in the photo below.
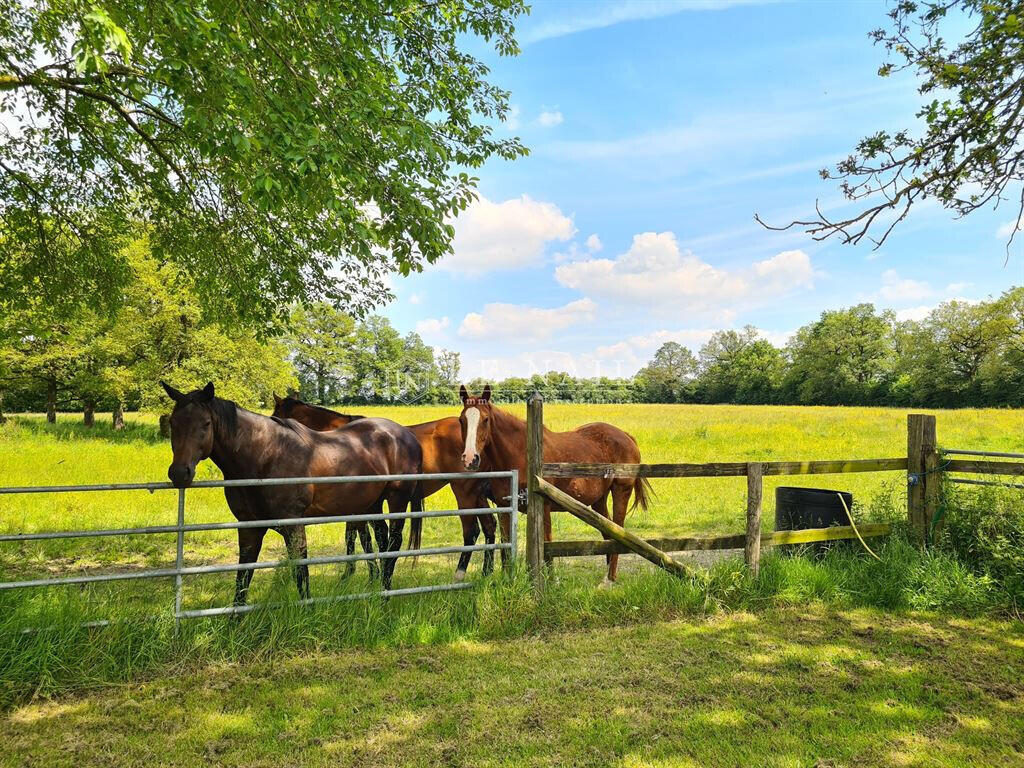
(923, 465)
(726, 468)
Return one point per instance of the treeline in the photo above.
(961, 354)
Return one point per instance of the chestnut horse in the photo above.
(495, 439)
(246, 445)
(441, 442)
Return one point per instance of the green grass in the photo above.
(807, 686)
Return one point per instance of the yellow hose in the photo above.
(854, 526)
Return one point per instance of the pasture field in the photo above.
(35, 453)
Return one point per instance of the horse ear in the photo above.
(172, 393)
(486, 396)
(463, 394)
(277, 400)
(208, 391)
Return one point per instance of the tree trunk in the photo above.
(51, 400)
(3, 419)
(118, 416)
(165, 425)
(89, 414)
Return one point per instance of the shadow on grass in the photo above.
(796, 687)
(69, 427)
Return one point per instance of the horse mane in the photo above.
(295, 401)
(224, 412)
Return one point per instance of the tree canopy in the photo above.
(277, 152)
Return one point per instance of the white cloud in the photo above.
(512, 118)
(524, 323)
(585, 16)
(899, 289)
(416, 298)
(594, 243)
(550, 118)
(507, 235)
(431, 326)
(955, 289)
(656, 274)
(914, 313)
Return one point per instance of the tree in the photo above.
(948, 350)
(279, 151)
(844, 358)
(668, 377)
(319, 337)
(970, 152)
(739, 367)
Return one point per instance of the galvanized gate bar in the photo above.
(256, 482)
(275, 523)
(191, 570)
(181, 528)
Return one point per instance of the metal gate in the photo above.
(181, 528)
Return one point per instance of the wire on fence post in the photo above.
(180, 560)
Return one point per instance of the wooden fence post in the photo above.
(752, 550)
(534, 501)
(922, 480)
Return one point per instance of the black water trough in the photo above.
(799, 508)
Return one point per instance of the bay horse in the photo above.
(247, 445)
(441, 442)
(323, 419)
(494, 439)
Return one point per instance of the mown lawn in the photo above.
(799, 686)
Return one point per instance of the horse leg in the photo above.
(489, 523)
(380, 531)
(350, 547)
(250, 542)
(466, 499)
(470, 531)
(620, 505)
(601, 507)
(295, 542)
(367, 542)
(398, 501)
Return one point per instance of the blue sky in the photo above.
(657, 130)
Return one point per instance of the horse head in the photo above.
(476, 418)
(192, 432)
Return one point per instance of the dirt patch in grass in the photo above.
(792, 687)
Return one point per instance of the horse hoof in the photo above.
(460, 575)
(606, 583)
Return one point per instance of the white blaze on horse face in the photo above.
(469, 453)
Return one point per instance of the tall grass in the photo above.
(67, 657)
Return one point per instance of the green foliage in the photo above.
(846, 357)
(739, 367)
(279, 151)
(668, 378)
(984, 528)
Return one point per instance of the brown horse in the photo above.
(322, 420)
(441, 442)
(246, 445)
(494, 439)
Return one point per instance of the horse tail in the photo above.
(642, 491)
